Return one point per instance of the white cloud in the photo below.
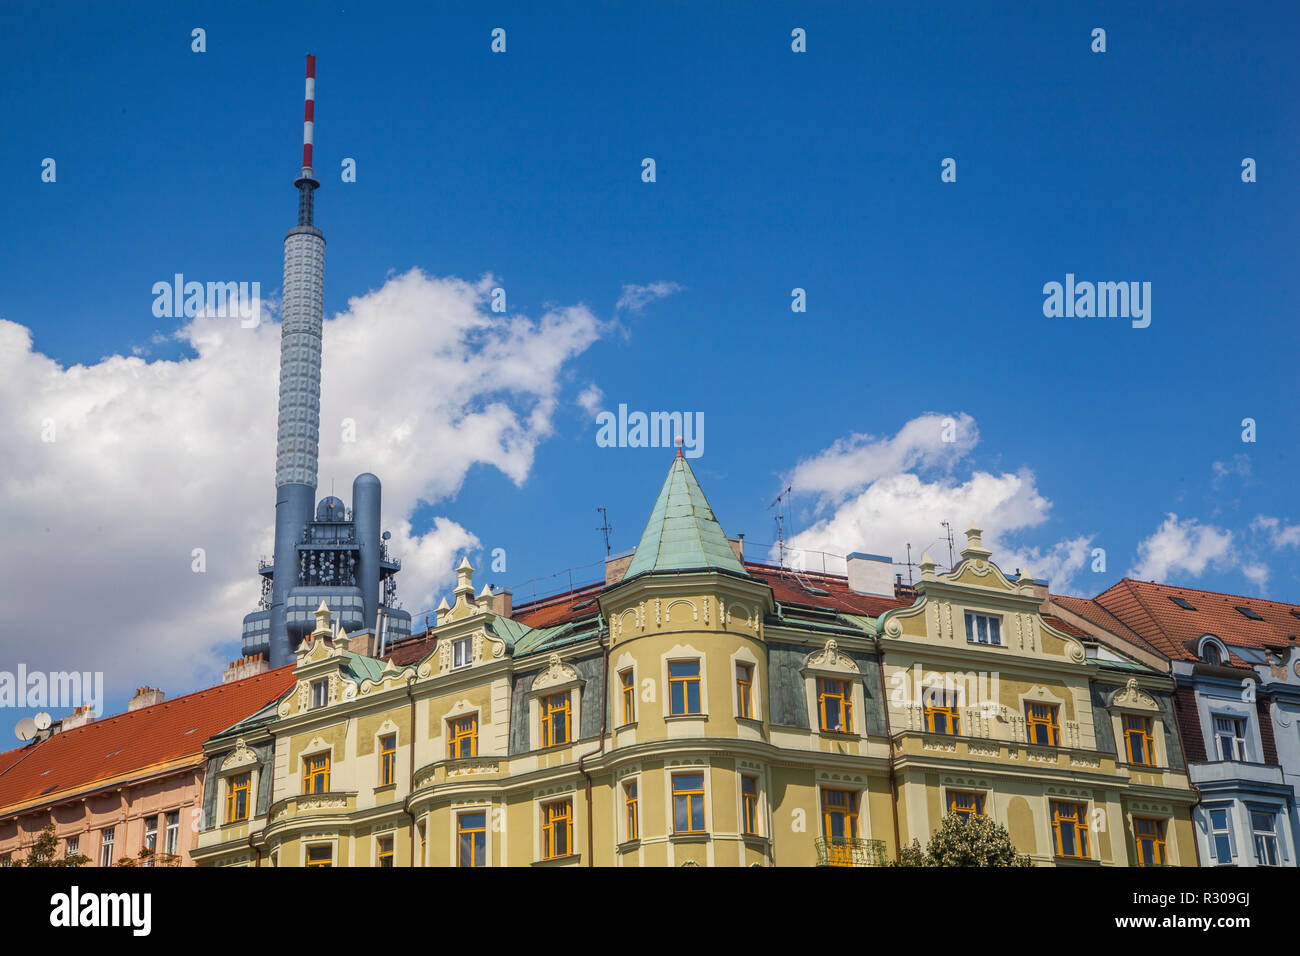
(637, 297)
(1279, 535)
(1183, 546)
(1239, 466)
(153, 459)
(852, 463)
(590, 398)
(881, 504)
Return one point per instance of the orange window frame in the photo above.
(316, 773)
(632, 810)
(831, 689)
(749, 805)
(745, 690)
(387, 759)
(1045, 716)
(1074, 817)
(966, 803)
(1148, 830)
(462, 737)
(555, 719)
(1138, 730)
(236, 787)
(557, 829)
(948, 711)
(628, 681)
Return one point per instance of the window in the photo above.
(555, 719)
(745, 690)
(684, 687)
(462, 651)
(965, 804)
(106, 846)
(471, 839)
(1248, 613)
(942, 718)
(74, 846)
(835, 705)
(1210, 654)
(423, 844)
(628, 682)
(173, 835)
(462, 736)
(6, 860)
(1263, 826)
(236, 805)
(1070, 828)
(151, 831)
(385, 851)
(631, 811)
(1138, 741)
(320, 693)
(387, 759)
(839, 825)
(322, 854)
(1230, 732)
(688, 803)
(1150, 837)
(983, 628)
(557, 829)
(1042, 725)
(316, 773)
(1225, 845)
(1182, 603)
(749, 805)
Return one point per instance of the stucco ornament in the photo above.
(557, 672)
(240, 756)
(1133, 697)
(830, 658)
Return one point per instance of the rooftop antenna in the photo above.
(909, 564)
(779, 505)
(948, 528)
(605, 527)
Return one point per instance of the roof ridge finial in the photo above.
(678, 442)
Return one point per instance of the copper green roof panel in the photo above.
(682, 533)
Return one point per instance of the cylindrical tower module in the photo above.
(365, 513)
(298, 434)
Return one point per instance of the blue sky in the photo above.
(775, 170)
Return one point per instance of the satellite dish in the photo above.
(26, 729)
(386, 535)
(42, 721)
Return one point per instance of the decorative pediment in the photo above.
(829, 658)
(392, 676)
(1133, 697)
(241, 756)
(557, 674)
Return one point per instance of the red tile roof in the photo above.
(1090, 610)
(791, 587)
(129, 744)
(559, 608)
(1147, 609)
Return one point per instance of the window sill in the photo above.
(628, 845)
(386, 788)
(630, 725)
(838, 734)
(701, 837)
(755, 839)
(686, 716)
(558, 860)
(1075, 861)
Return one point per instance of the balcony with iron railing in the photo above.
(845, 851)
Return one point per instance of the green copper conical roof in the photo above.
(682, 533)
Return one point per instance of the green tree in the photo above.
(962, 840)
(46, 849)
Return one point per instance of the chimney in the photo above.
(738, 546)
(871, 574)
(616, 566)
(245, 667)
(78, 717)
(502, 603)
(145, 697)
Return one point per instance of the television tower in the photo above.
(332, 555)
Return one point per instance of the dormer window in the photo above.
(983, 628)
(1210, 654)
(462, 652)
(320, 693)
